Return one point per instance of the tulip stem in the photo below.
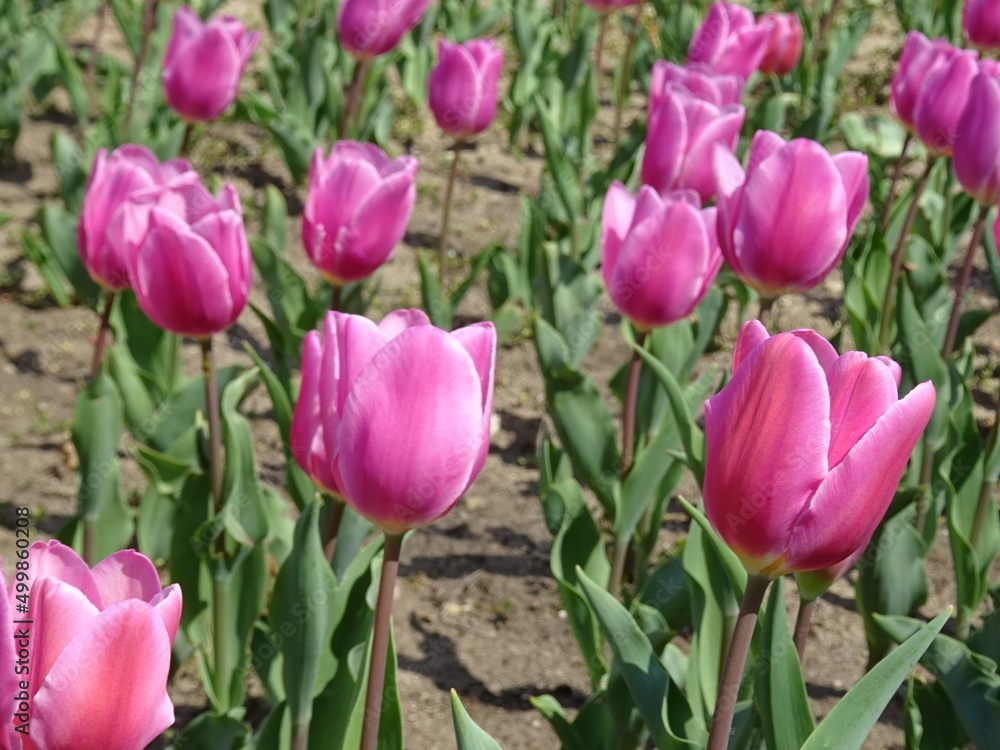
(803, 622)
(95, 46)
(443, 241)
(353, 95)
(764, 314)
(824, 31)
(102, 334)
(897, 257)
(336, 297)
(963, 284)
(624, 83)
(221, 610)
(896, 171)
(148, 21)
(380, 641)
(214, 431)
(732, 673)
(599, 53)
(186, 140)
(333, 526)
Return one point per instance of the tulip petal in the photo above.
(108, 688)
(826, 355)
(54, 559)
(480, 341)
(398, 321)
(126, 575)
(58, 611)
(8, 679)
(224, 233)
(862, 389)
(616, 218)
(707, 126)
(168, 605)
(666, 141)
(853, 168)
(752, 334)
(855, 495)
(203, 78)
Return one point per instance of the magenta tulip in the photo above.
(112, 180)
(920, 56)
(357, 209)
(659, 256)
(729, 40)
(981, 22)
(610, 6)
(372, 27)
(941, 101)
(784, 43)
(405, 410)
(977, 141)
(204, 63)
(805, 449)
(188, 257)
(785, 223)
(699, 79)
(99, 652)
(680, 136)
(462, 88)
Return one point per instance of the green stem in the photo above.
(599, 54)
(186, 140)
(223, 670)
(380, 641)
(300, 736)
(102, 334)
(623, 84)
(148, 21)
(896, 171)
(802, 624)
(333, 526)
(764, 314)
(446, 216)
(214, 429)
(336, 297)
(353, 95)
(732, 673)
(923, 499)
(963, 284)
(95, 46)
(824, 32)
(89, 540)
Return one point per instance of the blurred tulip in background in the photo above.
(462, 88)
(729, 40)
(373, 27)
(784, 43)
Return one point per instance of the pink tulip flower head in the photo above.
(188, 257)
(729, 40)
(977, 141)
(204, 63)
(357, 209)
(658, 255)
(99, 652)
(941, 101)
(805, 449)
(681, 133)
(920, 56)
(129, 169)
(462, 88)
(698, 79)
(609, 6)
(405, 410)
(981, 22)
(784, 43)
(785, 223)
(373, 27)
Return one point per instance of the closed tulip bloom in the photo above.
(977, 141)
(406, 414)
(658, 255)
(920, 56)
(100, 651)
(785, 223)
(729, 40)
(129, 169)
(805, 449)
(462, 88)
(681, 134)
(609, 6)
(697, 78)
(941, 101)
(188, 257)
(372, 27)
(784, 43)
(357, 209)
(204, 63)
(321, 381)
(981, 22)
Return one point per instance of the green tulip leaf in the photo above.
(467, 733)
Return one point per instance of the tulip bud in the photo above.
(981, 23)
(99, 649)
(729, 41)
(785, 223)
(941, 101)
(357, 209)
(204, 63)
(659, 256)
(462, 88)
(681, 134)
(920, 56)
(129, 169)
(698, 79)
(609, 6)
(405, 414)
(188, 257)
(977, 141)
(805, 449)
(368, 28)
(784, 43)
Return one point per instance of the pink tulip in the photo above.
(112, 180)
(920, 56)
(941, 101)
(785, 224)
(697, 78)
(462, 88)
(977, 141)
(805, 449)
(405, 410)
(610, 6)
(784, 43)
(357, 208)
(681, 133)
(729, 41)
(372, 27)
(188, 257)
(99, 652)
(658, 255)
(981, 22)
(204, 63)
(320, 379)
